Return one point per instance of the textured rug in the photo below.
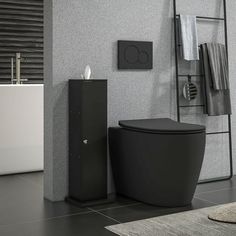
(188, 223)
(225, 213)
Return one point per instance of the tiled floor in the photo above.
(24, 212)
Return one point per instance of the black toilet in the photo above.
(157, 161)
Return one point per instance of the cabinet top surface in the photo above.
(87, 80)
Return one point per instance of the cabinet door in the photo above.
(75, 137)
(92, 138)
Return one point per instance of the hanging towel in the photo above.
(219, 65)
(216, 102)
(189, 37)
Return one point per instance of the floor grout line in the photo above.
(111, 218)
(217, 190)
(47, 219)
(29, 181)
(205, 200)
(118, 207)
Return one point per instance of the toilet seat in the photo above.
(161, 126)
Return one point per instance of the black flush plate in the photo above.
(135, 55)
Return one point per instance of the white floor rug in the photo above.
(188, 223)
(225, 213)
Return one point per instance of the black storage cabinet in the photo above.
(87, 140)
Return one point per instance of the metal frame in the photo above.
(229, 132)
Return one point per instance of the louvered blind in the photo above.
(21, 30)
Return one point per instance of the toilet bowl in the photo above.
(157, 161)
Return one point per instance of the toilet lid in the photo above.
(162, 125)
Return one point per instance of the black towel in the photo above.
(217, 102)
(219, 65)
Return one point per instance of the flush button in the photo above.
(85, 141)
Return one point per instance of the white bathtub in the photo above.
(21, 128)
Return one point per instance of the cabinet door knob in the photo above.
(85, 141)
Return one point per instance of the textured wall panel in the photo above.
(21, 30)
(86, 32)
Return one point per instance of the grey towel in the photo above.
(189, 37)
(219, 65)
(217, 102)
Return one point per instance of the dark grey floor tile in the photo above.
(21, 201)
(23, 210)
(91, 224)
(34, 178)
(220, 196)
(119, 201)
(143, 211)
(226, 184)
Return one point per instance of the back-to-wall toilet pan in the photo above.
(157, 161)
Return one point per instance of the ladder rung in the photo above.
(223, 132)
(190, 75)
(180, 45)
(206, 17)
(192, 106)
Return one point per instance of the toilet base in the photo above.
(159, 169)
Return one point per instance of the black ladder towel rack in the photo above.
(177, 45)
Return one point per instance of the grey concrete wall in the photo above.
(48, 102)
(80, 32)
